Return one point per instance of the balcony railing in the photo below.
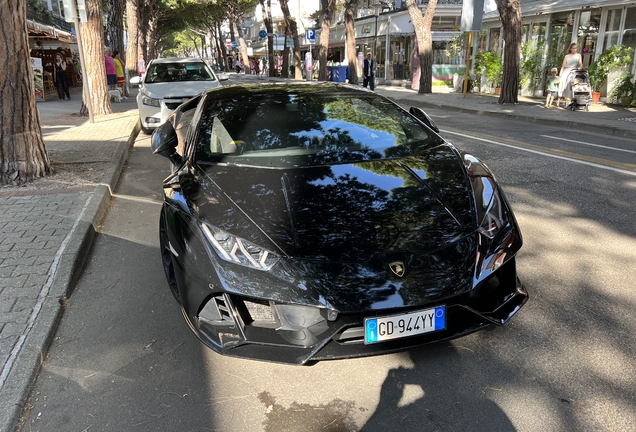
(46, 17)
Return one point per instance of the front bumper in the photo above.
(241, 327)
(151, 116)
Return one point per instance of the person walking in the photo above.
(571, 61)
(119, 67)
(368, 72)
(238, 65)
(111, 72)
(59, 77)
(141, 65)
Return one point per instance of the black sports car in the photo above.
(314, 221)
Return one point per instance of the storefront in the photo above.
(45, 42)
(389, 36)
(593, 25)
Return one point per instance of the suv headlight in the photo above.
(239, 251)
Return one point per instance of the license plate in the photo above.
(404, 325)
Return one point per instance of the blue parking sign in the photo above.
(310, 34)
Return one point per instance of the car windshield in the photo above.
(177, 72)
(307, 128)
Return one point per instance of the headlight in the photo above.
(491, 213)
(238, 251)
(150, 101)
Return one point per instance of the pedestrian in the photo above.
(257, 66)
(238, 65)
(553, 87)
(368, 72)
(571, 61)
(119, 67)
(141, 65)
(59, 77)
(111, 72)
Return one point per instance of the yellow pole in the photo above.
(468, 56)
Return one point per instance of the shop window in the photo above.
(495, 34)
(629, 33)
(612, 28)
(587, 37)
(560, 36)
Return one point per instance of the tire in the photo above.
(166, 256)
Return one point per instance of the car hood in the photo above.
(177, 90)
(347, 212)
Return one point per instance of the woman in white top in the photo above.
(572, 60)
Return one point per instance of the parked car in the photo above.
(167, 83)
(313, 221)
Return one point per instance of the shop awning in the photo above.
(44, 31)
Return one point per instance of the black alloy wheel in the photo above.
(166, 256)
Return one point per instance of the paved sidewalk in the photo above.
(46, 230)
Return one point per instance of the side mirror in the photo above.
(135, 80)
(424, 118)
(164, 142)
(222, 76)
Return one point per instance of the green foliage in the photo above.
(624, 90)
(532, 63)
(490, 65)
(456, 46)
(615, 56)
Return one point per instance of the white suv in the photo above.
(167, 83)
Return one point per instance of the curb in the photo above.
(31, 356)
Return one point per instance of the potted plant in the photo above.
(624, 89)
(615, 56)
(490, 65)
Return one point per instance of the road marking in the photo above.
(618, 167)
(588, 144)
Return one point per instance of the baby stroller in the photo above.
(579, 83)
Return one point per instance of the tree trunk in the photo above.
(291, 24)
(222, 48)
(245, 58)
(132, 30)
(266, 9)
(285, 71)
(116, 27)
(422, 25)
(510, 13)
(145, 12)
(327, 7)
(93, 46)
(351, 7)
(23, 155)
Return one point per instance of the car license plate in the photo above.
(404, 325)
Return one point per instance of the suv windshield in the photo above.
(321, 128)
(175, 72)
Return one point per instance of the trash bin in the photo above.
(337, 73)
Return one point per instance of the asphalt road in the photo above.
(124, 359)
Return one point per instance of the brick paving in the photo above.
(40, 224)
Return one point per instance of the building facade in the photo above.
(595, 25)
